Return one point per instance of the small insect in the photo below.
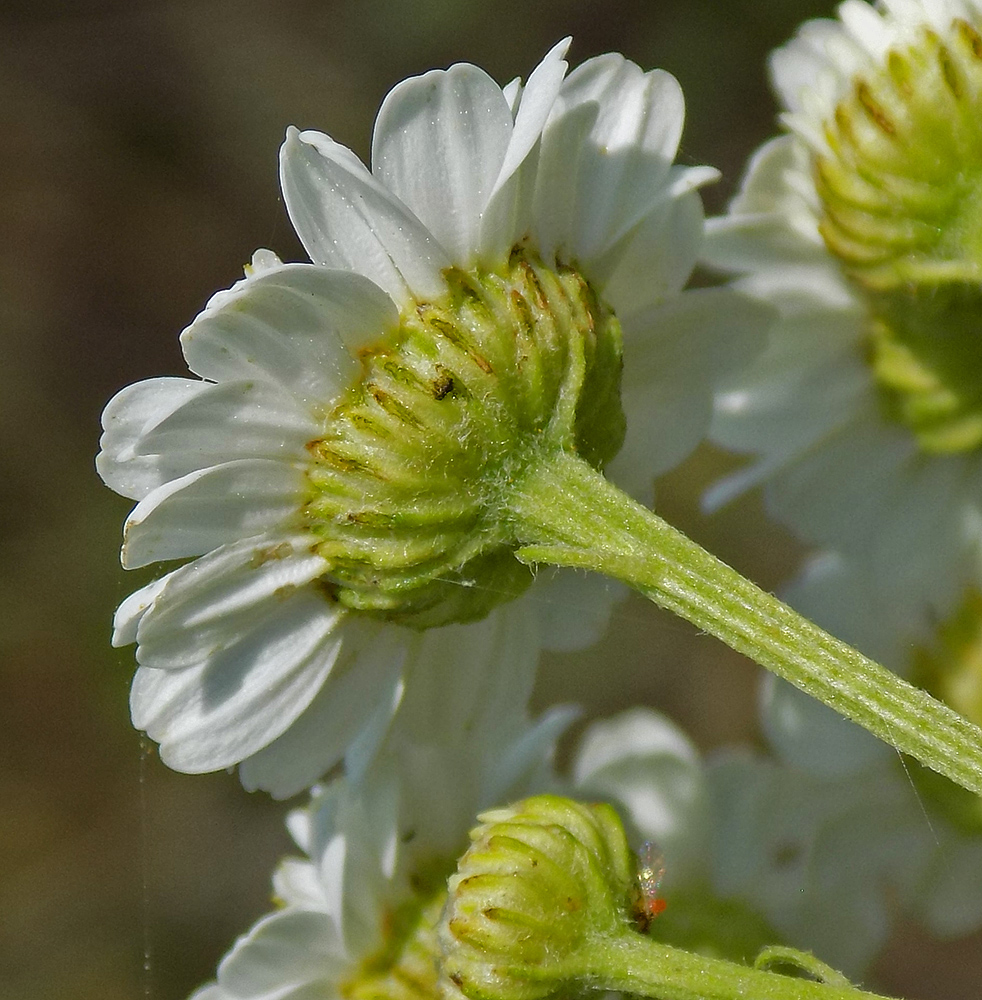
(443, 386)
(645, 902)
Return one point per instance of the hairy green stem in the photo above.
(633, 963)
(570, 515)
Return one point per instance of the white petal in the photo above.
(130, 613)
(348, 220)
(292, 955)
(363, 684)
(674, 357)
(770, 222)
(295, 883)
(811, 736)
(212, 507)
(638, 732)
(922, 553)
(363, 749)
(243, 696)
(807, 494)
(461, 740)
(654, 261)
(555, 201)
(126, 417)
(537, 100)
(507, 217)
(296, 326)
(215, 424)
(440, 142)
(743, 242)
(806, 385)
(803, 853)
(210, 604)
(646, 763)
(461, 677)
(867, 26)
(795, 67)
(573, 608)
(843, 597)
(621, 173)
(212, 991)
(513, 94)
(231, 420)
(524, 763)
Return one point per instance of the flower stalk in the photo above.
(634, 963)
(573, 517)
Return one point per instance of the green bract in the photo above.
(410, 483)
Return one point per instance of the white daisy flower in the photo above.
(379, 859)
(320, 471)
(358, 912)
(864, 412)
(743, 857)
(937, 877)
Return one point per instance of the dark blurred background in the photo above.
(137, 174)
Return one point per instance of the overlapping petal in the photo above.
(354, 709)
(212, 507)
(129, 415)
(348, 220)
(674, 357)
(294, 325)
(212, 714)
(206, 605)
(440, 143)
(625, 125)
(799, 849)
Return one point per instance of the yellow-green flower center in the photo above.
(951, 670)
(901, 192)
(406, 966)
(409, 481)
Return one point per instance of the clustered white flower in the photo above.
(899, 524)
(401, 735)
(836, 468)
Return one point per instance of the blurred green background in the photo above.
(137, 175)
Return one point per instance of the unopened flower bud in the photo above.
(540, 881)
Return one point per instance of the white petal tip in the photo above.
(692, 178)
(262, 260)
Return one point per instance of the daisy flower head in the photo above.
(860, 226)
(357, 911)
(335, 471)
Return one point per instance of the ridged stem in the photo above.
(568, 514)
(633, 963)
